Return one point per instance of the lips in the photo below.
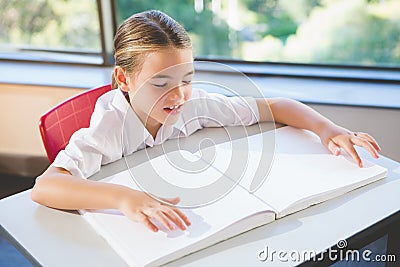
(173, 109)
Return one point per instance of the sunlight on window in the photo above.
(332, 32)
(340, 32)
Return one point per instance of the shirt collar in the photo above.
(135, 129)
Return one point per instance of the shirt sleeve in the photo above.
(89, 148)
(220, 110)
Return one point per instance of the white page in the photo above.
(297, 177)
(242, 158)
(302, 168)
(136, 244)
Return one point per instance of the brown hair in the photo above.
(144, 33)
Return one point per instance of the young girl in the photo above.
(153, 71)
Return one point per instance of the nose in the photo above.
(176, 94)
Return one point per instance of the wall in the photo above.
(21, 150)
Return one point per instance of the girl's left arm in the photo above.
(334, 137)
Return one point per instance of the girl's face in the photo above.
(159, 91)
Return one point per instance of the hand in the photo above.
(335, 138)
(140, 207)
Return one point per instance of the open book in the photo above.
(302, 173)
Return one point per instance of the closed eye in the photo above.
(160, 85)
(186, 82)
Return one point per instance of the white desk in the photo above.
(59, 238)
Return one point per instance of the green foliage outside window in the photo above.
(340, 32)
(49, 25)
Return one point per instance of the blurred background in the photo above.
(356, 32)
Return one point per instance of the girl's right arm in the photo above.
(57, 188)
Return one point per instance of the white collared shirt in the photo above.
(116, 131)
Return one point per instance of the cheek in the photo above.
(188, 93)
(156, 102)
(147, 99)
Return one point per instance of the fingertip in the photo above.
(333, 148)
(377, 146)
(171, 201)
(187, 222)
(374, 153)
(334, 151)
(175, 200)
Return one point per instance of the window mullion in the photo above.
(107, 29)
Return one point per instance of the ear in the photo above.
(121, 78)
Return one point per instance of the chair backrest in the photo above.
(58, 124)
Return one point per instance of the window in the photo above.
(337, 32)
(363, 33)
(50, 30)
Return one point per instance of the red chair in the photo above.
(58, 124)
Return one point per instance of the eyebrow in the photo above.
(189, 73)
(161, 76)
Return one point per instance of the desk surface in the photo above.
(60, 238)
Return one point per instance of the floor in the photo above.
(9, 185)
